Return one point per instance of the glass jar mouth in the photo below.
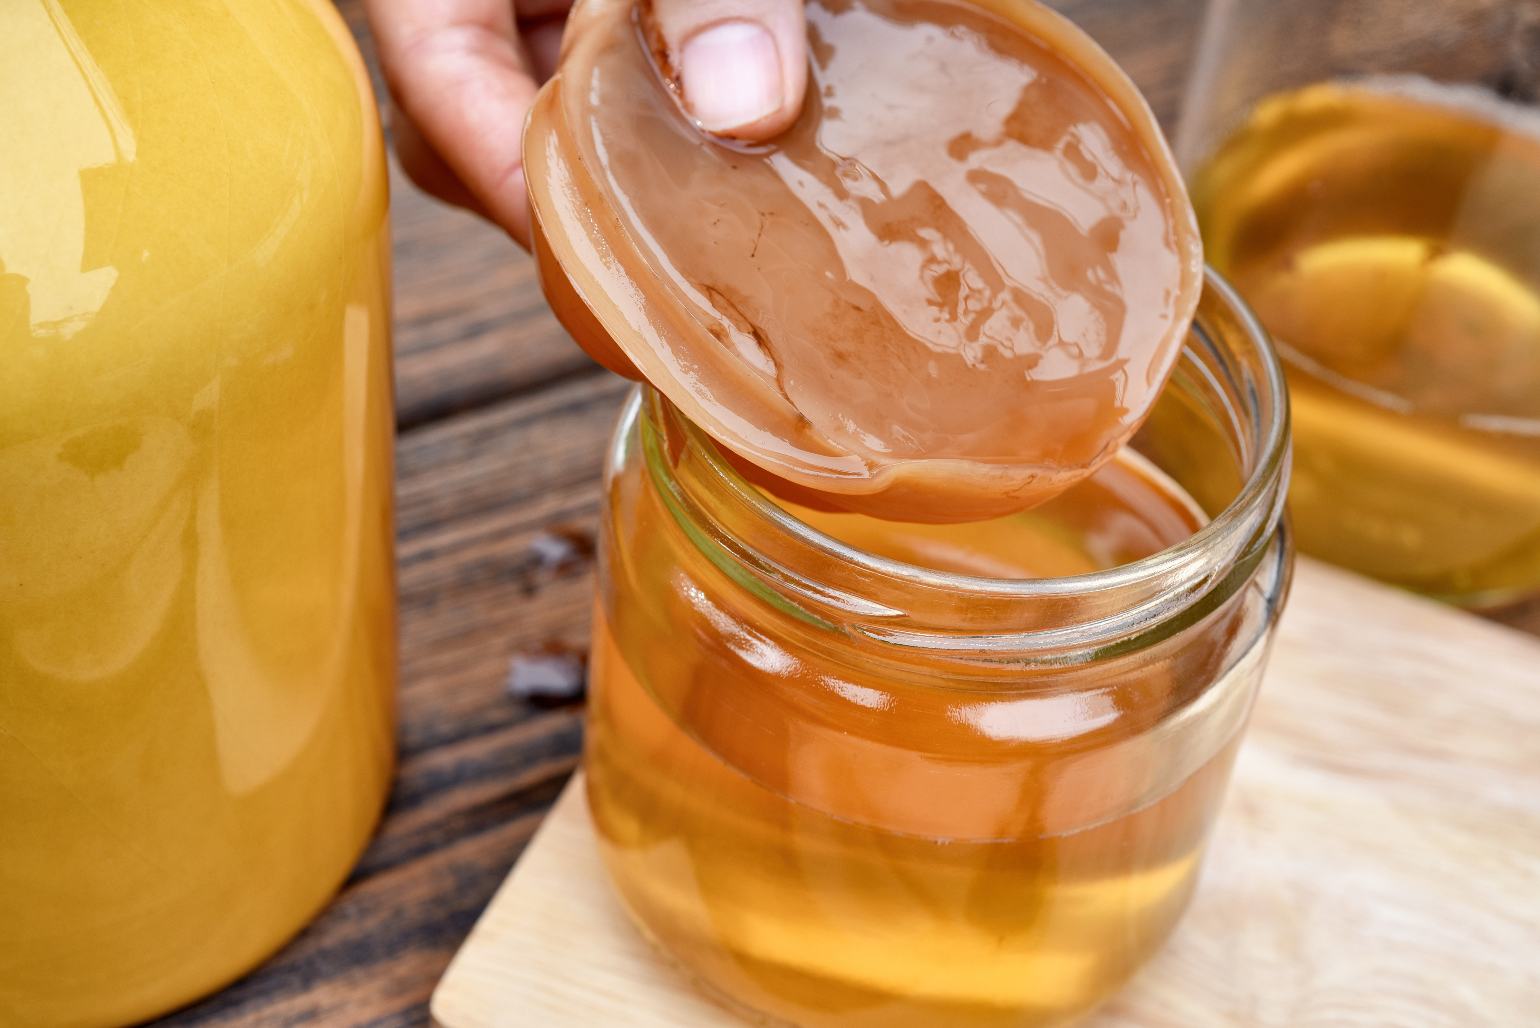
(829, 582)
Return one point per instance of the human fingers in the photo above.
(425, 167)
(739, 66)
(458, 72)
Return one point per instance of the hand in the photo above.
(462, 74)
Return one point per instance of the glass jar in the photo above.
(197, 642)
(839, 789)
(1375, 196)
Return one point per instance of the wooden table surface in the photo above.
(502, 422)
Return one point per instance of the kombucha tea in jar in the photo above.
(849, 771)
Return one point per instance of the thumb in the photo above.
(739, 66)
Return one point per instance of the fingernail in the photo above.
(731, 75)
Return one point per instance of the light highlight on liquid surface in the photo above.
(822, 838)
(1388, 234)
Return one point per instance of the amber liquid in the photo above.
(816, 838)
(1388, 235)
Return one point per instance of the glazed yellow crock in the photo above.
(197, 640)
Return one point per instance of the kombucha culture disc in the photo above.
(949, 291)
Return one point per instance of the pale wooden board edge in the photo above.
(1377, 861)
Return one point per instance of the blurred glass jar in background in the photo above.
(848, 771)
(197, 651)
(1367, 174)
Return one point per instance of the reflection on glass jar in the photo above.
(196, 587)
(855, 772)
(1376, 198)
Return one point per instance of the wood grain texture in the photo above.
(471, 325)
(1377, 862)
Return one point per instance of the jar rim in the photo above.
(1189, 567)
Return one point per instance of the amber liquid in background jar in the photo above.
(1387, 232)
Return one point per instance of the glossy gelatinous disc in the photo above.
(952, 289)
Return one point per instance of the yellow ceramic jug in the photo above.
(197, 647)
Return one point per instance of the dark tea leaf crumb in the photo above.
(554, 675)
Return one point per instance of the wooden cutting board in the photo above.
(1377, 862)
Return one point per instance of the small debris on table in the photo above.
(554, 675)
(560, 547)
(553, 553)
